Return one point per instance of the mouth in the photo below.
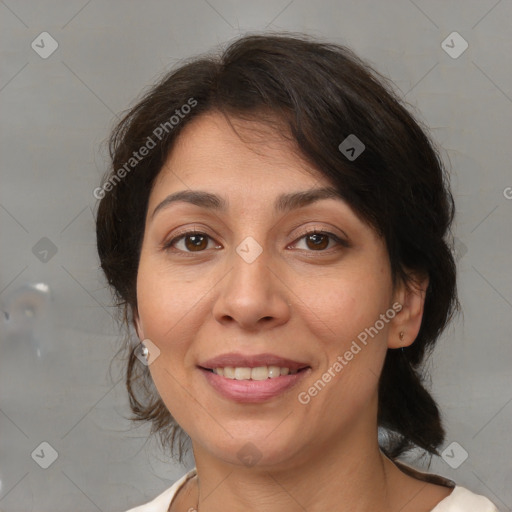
(243, 361)
(255, 373)
(252, 379)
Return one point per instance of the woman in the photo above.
(276, 226)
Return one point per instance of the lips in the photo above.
(235, 359)
(249, 389)
(252, 391)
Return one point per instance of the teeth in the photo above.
(258, 373)
(242, 373)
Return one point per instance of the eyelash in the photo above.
(167, 246)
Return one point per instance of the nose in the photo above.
(252, 295)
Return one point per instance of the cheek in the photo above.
(342, 304)
(352, 333)
(163, 304)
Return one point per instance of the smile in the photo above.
(240, 385)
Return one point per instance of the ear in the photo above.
(408, 320)
(137, 323)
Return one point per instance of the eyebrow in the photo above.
(283, 203)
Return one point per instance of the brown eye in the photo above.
(196, 242)
(317, 241)
(191, 241)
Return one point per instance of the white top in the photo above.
(460, 500)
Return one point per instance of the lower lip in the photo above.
(252, 391)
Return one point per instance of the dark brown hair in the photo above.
(398, 185)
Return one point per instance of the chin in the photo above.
(257, 451)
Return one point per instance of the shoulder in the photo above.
(459, 500)
(463, 500)
(162, 501)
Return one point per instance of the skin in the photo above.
(294, 300)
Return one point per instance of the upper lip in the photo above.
(237, 360)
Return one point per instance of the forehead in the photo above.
(220, 151)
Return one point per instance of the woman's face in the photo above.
(251, 281)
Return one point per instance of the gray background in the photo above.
(57, 330)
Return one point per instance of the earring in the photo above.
(145, 350)
(401, 335)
